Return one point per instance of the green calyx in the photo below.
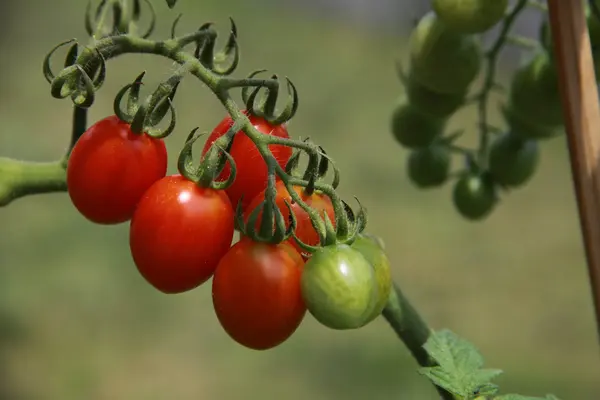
(145, 116)
(265, 106)
(211, 164)
(124, 20)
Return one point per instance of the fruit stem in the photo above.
(21, 178)
(490, 76)
(411, 330)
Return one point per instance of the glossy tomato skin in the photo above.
(110, 168)
(256, 293)
(340, 287)
(251, 176)
(304, 229)
(179, 233)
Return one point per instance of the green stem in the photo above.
(411, 330)
(490, 76)
(22, 178)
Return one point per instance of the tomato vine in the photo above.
(293, 223)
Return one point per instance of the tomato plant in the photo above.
(256, 293)
(182, 225)
(179, 233)
(251, 178)
(110, 168)
(304, 228)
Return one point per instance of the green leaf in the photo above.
(459, 369)
(171, 3)
(521, 397)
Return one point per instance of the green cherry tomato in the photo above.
(474, 196)
(470, 16)
(412, 128)
(372, 251)
(438, 105)
(340, 287)
(442, 60)
(534, 92)
(527, 128)
(513, 160)
(429, 166)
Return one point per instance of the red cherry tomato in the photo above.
(304, 229)
(256, 293)
(251, 176)
(110, 168)
(179, 232)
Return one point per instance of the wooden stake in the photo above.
(579, 93)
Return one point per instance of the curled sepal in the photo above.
(73, 81)
(171, 3)
(46, 69)
(132, 100)
(152, 111)
(230, 51)
(174, 26)
(217, 61)
(136, 17)
(266, 105)
(272, 225)
(325, 164)
(214, 160)
(185, 161)
(91, 21)
(293, 162)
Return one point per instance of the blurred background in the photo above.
(78, 322)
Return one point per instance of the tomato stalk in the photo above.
(489, 84)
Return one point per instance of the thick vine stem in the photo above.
(411, 330)
(490, 76)
(22, 178)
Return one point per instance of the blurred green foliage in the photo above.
(88, 327)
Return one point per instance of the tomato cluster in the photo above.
(182, 230)
(445, 58)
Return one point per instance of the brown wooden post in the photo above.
(579, 93)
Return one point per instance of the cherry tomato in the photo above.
(534, 92)
(439, 105)
(470, 16)
(251, 176)
(429, 166)
(372, 251)
(442, 60)
(474, 196)
(256, 293)
(110, 168)
(412, 128)
(513, 160)
(304, 229)
(179, 232)
(340, 288)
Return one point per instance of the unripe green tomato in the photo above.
(534, 91)
(527, 128)
(429, 166)
(340, 287)
(470, 16)
(474, 196)
(412, 128)
(442, 60)
(439, 105)
(374, 254)
(513, 160)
